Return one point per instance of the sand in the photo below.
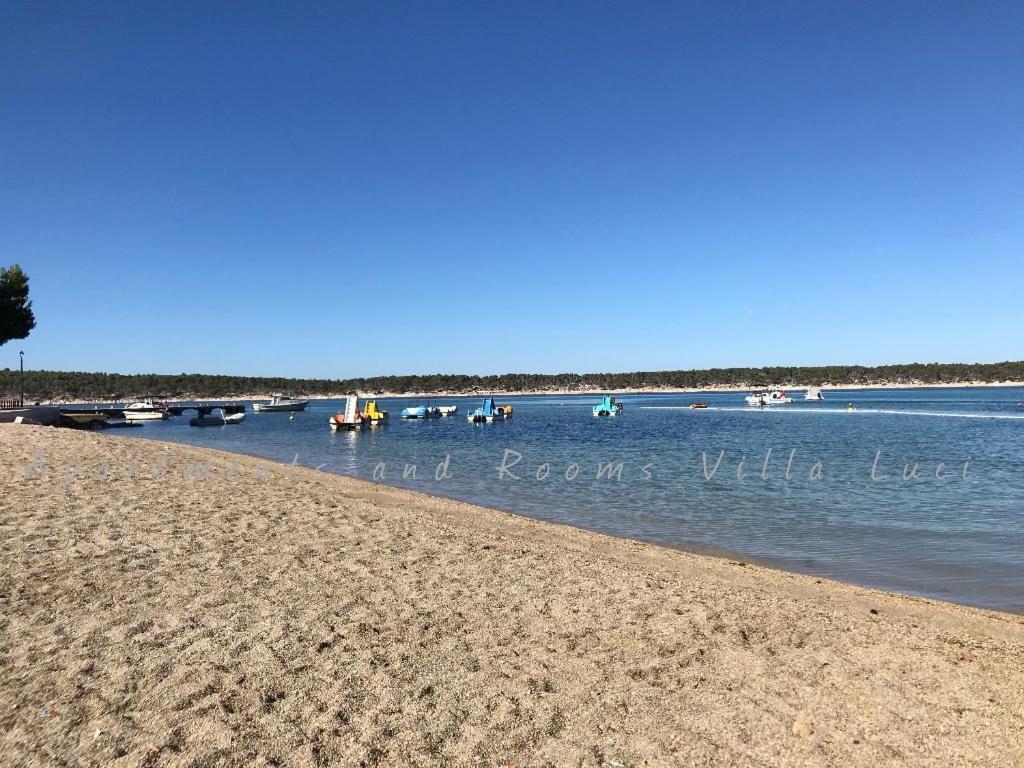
(172, 606)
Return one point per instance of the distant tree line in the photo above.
(113, 387)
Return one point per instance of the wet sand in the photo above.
(168, 605)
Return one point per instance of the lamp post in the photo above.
(22, 356)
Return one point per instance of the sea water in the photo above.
(918, 491)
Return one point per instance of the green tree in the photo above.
(16, 318)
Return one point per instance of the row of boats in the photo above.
(149, 409)
(370, 415)
(354, 418)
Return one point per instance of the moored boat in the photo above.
(485, 413)
(422, 412)
(145, 409)
(373, 415)
(768, 397)
(280, 402)
(698, 405)
(609, 406)
(350, 418)
(503, 411)
(447, 410)
(217, 416)
(813, 393)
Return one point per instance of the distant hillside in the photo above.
(69, 385)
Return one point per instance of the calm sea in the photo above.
(919, 491)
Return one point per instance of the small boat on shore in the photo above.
(145, 409)
(768, 397)
(220, 416)
(280, 402)
(609, 406)
(485, 413)
(813, 393)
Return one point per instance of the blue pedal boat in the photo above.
(608, 407)
(486, 412)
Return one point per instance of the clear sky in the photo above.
(414, 187)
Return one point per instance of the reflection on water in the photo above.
(919, 491)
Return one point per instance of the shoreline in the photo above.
(675, 391)
(259, 612)
(571, 392)
(696, 549)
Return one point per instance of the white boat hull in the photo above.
(346, 426)
(757, 401)
(145, 415)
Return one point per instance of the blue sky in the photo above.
(417, 187)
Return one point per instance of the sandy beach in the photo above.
(163, 605)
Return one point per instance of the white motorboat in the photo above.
(768, 397)
(447, 410)
(145, 409)
(279, 402)
(813, 393)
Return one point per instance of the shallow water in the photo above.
(954, 531)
